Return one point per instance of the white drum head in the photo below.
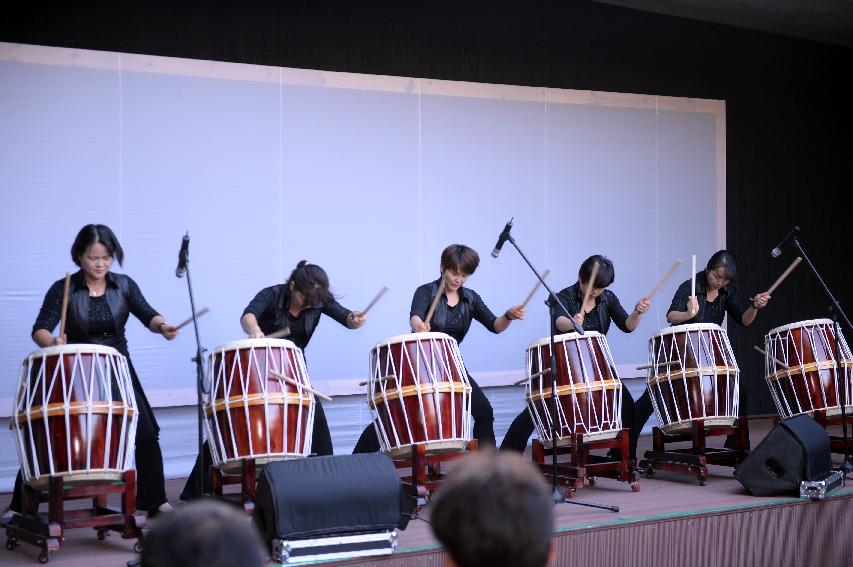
(83, 348)
(412, 337)
(256, 343)
(566, 337)
(799, 324)
(689, 327)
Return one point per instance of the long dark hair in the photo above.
(311, 281)
(726, 260)
(606, 273)
(96, 234)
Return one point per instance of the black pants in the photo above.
(321, 444)
(150, 483)
(522, 426)
(481, 411)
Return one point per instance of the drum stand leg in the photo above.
(583, 465)
(47, 531)
(426, 475)
(696, 458)
(247, 479)
(836, 442)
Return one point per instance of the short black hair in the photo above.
(208, 533)
(460, 258)
(726, 260)
(606, 273)
(311, 281)
(96, 234)
(494, 509)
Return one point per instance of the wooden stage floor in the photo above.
(665, 498)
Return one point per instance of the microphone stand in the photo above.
(834, 311)
(553, 302)
(201, 388)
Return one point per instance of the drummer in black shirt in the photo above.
(295, 306)
(716, 295)
(602, 308)
(455, 310)
(99, 304)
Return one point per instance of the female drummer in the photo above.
(716, 295)
(99, 302)
(296, 305)
(454, 311)
(602, 308)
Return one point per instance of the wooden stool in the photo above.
(696, 458)
(583, 464)
(426, 475)
(246, 478)
(47, 531)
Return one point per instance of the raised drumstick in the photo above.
(535, 287)
(280, 334)
(64, 304)
(663, 280)
(764, 353)
(693, 278)
(293, 382)
(202, 311)
(375, 299)
(590, 284)
(785, 274)
(434, 303)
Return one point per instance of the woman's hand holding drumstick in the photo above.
(419, 326)
(760, 300)
(358, 318)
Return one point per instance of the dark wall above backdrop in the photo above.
(789, 121)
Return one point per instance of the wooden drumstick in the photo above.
(375, 299)
(590, 284)
(435, 301)
(647, 366)
(293, 382)
(202, 311)
(64, 304)
(663, 280)
(764, 353)
(280, 334)
(785, 274)
(693, 277)
(535, 287)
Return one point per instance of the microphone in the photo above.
(181, 270)
(778, 250)
(504, 236)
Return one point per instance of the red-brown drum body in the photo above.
(589, 391)
(253, 414)
(801, 368)
(693, 375)
(75, 415)
(419, 394)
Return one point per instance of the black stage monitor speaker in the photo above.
(331, 495)
(797, 449)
